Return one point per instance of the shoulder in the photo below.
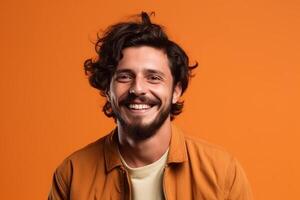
(198, 150)
(209, 158)
(207, 151)
(203, 157)
(219, 166)
(84, 158)
(76, 168)
(89, 152)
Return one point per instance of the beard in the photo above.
(139, 131)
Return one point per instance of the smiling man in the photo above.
(142, 74)
(141, 93)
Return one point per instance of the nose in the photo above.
(138, 87)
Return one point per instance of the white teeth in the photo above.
(139, 106)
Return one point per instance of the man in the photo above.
(142, 73)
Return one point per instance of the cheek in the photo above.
(163, 93)
(118, 91)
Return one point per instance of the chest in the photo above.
(177, 182)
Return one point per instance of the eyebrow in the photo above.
(123, 70)
(153, 71)
(146, 71)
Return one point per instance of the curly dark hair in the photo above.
(117, 37)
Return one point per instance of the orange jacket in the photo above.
(194, 170)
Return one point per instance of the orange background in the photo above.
(245, 96)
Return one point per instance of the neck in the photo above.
(138, 153)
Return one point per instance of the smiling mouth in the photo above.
(139, 106)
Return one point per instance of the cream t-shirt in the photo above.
(147, 180)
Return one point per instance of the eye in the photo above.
(154, 78)
(123, 77)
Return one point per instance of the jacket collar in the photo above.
(177, 149)
(111, 151)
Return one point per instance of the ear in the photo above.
(176, 93)
(107, 94)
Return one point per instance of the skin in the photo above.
(145, 70)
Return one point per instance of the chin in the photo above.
(144, 130)
(143, 127)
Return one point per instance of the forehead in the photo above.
(144, 58)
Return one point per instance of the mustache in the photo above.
(143, 99)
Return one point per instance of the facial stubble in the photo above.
(139, 131)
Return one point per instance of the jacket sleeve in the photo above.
(237, 186)
(60, 188)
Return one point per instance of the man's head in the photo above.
(138, 67)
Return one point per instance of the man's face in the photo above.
(141, 91)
